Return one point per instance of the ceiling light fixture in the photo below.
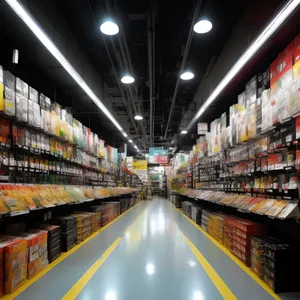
(135, 147)
(127, 79)
(203, 26)
(268, 31)
(183, 131)
(50, 46)
(130, 141)
(187, 75)
(138, 117)
(125, 134)
(109, 28)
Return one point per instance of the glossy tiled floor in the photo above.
(152, 260)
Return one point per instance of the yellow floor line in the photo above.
(63, 256)
(213, 275)
(83, 281)
(235, 259)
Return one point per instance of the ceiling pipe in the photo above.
(125, 64)
(150, 56)
(127, 55)
(183, 63)
(153, 75)
(129, 110)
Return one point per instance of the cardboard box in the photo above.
(15, 262)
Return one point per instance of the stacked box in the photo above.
(215, 226)
(196, 214)
(175, 200)
(109, 211)
(54, 241)
(276, 263)
(15, 262)
(68, 231)
(187, 208)
(258, 254)
(94, 219)
(125, 204)
(237, 237)
(97, 210)
(37, 251)
(206, 214)
(83, 226)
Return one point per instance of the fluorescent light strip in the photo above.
(50, 46)
(284, 13)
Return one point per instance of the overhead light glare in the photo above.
(183, 131)
(135, 147)
(109, 28)
(203, 26)
(130, 141)
(50, 46)
(150, 269)
(127, 79)
(187, 75)
(269, 30)
(138, 118)
(125, 134)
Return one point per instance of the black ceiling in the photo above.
(172, 25)
(128, 51)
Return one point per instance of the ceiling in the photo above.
(155, 38)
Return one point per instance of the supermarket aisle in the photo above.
(150, 256)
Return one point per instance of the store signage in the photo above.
(158, 155)
(140, 165)
(202, 128)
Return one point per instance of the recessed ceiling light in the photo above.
(135, 147)
(138, 118)
(203, 26)
(127, 79)
(109, 28)
(262, 38)
(125, 134)
(187, 76)
(130, 141)
(183, 132)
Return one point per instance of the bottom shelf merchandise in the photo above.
(26, 248)
(274, 261)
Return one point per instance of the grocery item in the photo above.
(15, 262)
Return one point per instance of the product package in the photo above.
(21, 107)
(33, 95)
(37, 251)
(34, 114)
(22, 87)
(8, 101)
(15, 262)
